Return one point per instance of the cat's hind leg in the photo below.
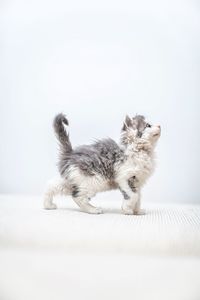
(54, 187)
(85, 206)
(82, 199)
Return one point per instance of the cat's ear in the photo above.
(127, 123)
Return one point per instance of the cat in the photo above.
(105, 165)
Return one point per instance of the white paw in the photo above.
(140, 212)
(127, 211)
(50, 206)
(94, 210)
(98, 210)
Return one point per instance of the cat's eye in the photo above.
(148, 125)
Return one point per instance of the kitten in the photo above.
(105, 165)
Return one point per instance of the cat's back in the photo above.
(99, 157)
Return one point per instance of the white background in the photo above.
(97, 61)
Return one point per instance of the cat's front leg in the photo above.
(130, 198)
(131, 202)
(138, 210)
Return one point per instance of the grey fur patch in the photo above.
(139, 124)
(125, 195)
(98, 158)
(75, 191)
(132, 183)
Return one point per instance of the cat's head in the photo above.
(138, 132)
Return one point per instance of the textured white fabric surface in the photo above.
(65, 253)
(165, 229)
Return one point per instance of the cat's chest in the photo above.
(142, 162)
(140, 166)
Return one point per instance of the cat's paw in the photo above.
(94, 210)
(98, 210)
(48, 205)
(140, 212)
(127, 211)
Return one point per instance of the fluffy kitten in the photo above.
(105, 165)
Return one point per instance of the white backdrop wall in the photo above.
(97, 61)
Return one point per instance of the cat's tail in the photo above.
(59, 124)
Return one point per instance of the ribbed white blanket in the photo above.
(66, 254)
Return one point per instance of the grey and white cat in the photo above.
(105, 165)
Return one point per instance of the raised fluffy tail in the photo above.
(63, 137)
